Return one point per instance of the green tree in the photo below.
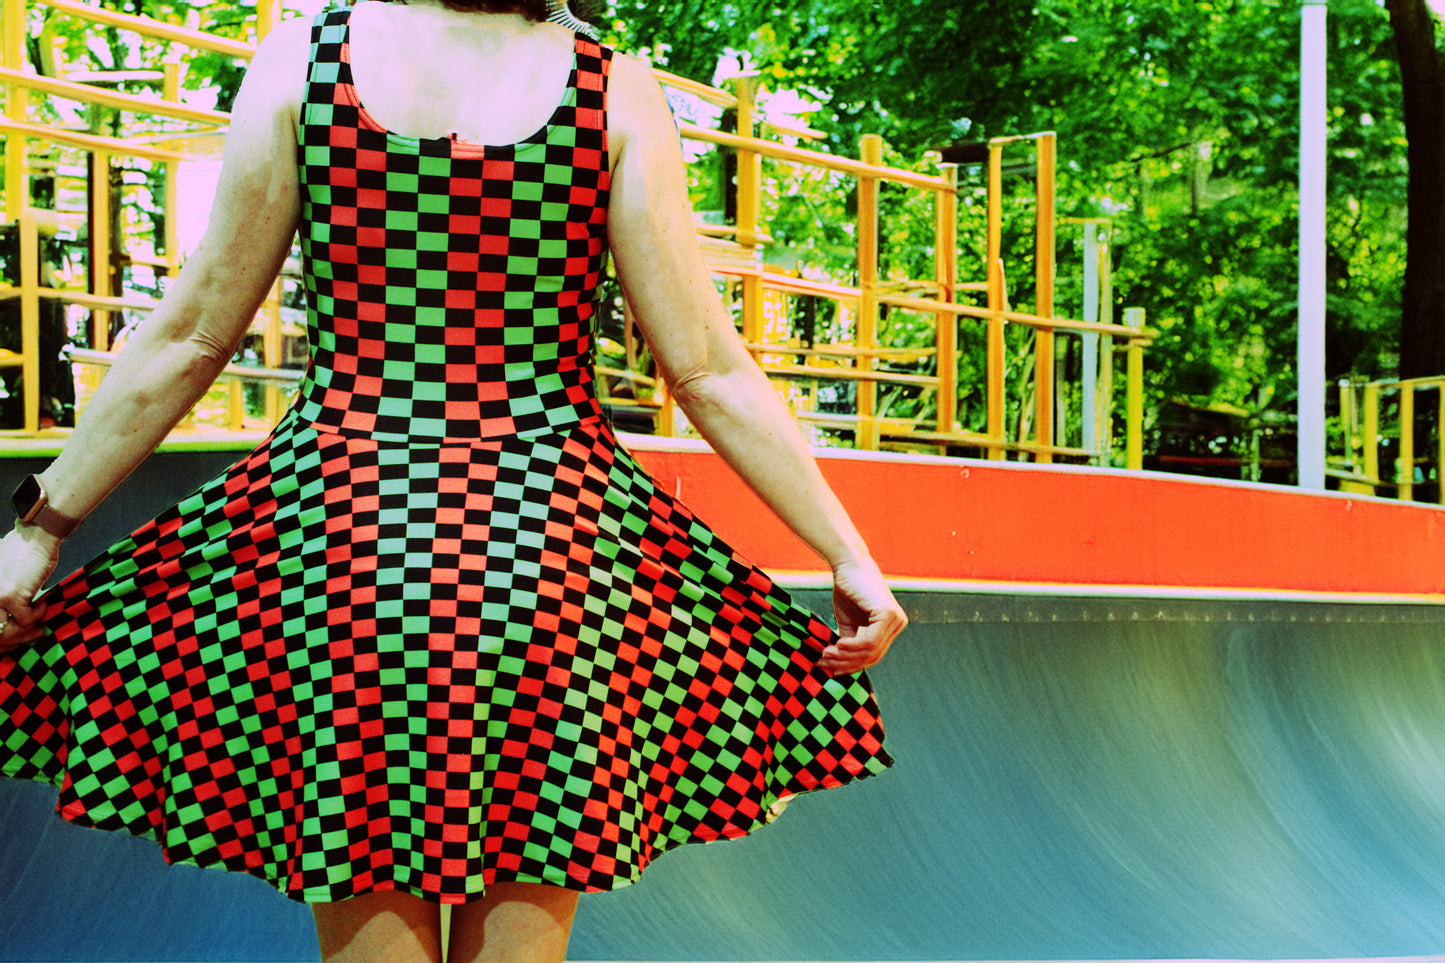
(1420, 42)
(1177, 118)
(1180, 119)
(916, 71)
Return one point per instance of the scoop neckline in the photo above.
(455, 143)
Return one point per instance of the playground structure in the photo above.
(1025, 412)
(1383, 414)
(1136, 715)
(102, 292)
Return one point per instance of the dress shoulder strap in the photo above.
(327, 70)
(589, 81)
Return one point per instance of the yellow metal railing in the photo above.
(101, 297)
(870, 295)
(862, 361)
(1363, 432)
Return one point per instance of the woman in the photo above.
(438, 639)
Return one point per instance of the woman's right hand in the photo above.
(26, 560)
(869, 618)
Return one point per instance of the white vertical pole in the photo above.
(1090, 339)
(1311, 412)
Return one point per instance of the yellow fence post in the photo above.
(268, 14)
(1371, 431)
(18, 213)
(275, 402)
(749, 199)
(667, 409)
(1405, 470)
(1347, 421)
(99, 230)
(945, 260)
(30, 317)
(16, 100)
(1134, 402)
(1044, 307)
(871, 150)
(1440, 443)
(996, 303)
(236, 405)
(750, 163)
(1104, 412)
(171, 90)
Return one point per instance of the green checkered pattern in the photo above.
(439, 629)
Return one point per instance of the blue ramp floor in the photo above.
(1075, 779)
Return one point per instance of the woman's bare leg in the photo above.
(515, 923)
(380, 927)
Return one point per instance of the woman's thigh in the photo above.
(514, 923)
(380, 927)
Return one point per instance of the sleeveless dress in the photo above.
(439, 629)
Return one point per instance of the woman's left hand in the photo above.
(26, 561)
(869, 618)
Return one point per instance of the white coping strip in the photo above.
(819, 580)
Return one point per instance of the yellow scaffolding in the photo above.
(869, 296)
(102, 297)
(857, 362)
(1356, 467)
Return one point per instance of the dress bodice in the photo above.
(450, 285)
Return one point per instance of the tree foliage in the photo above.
(1420, 42)
(918, 72)
(1190, 139)
(1177, 119)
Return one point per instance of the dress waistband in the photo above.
(557, 427)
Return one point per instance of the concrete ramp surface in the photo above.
(1077, 778)
(1100, 779)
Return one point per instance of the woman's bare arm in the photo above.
(179, 350)
(723, 392)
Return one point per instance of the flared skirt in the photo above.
(345, 666)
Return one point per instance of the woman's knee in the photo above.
(514, 923)
(379, 926)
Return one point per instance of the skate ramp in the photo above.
(1076, 778)
(1100, 779)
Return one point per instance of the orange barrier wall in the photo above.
(952, 519)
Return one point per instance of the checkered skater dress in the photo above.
(439, 629)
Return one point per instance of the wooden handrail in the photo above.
(791, 285)
(850, 374)
(813, 158)
(840, 351)
(729, 101)
(150, 27)
(110, 98)
(697, 88)
(96, 301)
(1018, 317)
(112, 145)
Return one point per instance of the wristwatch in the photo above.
(32, 505)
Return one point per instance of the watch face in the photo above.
(27, 495)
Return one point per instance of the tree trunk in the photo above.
(1422, 74)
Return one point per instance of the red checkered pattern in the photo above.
(439, 629)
